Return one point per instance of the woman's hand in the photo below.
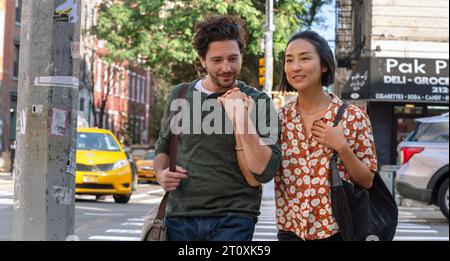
(332, 137)
(236, 111)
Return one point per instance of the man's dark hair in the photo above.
(326, 58)
(218, 28)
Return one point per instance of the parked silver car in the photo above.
(423, 174)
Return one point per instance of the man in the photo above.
(210, 199)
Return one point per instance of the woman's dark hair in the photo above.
(218, 28)
(326, 58)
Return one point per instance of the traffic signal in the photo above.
(262, 71)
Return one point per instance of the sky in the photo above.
(328, 28)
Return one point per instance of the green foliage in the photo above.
(158, 33)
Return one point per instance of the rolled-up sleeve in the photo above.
(271, 138)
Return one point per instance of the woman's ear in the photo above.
(324, 69)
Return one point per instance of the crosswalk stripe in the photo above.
(264, 234)
(155, 191)
(264, 239)
(416, 231)
(104, 214)
(135, 219)
(416, 238)
(267, 223)
(265, 227)
(123, 231)
(140, 224)
(138, 196)
(114, 238)
(151, 201)
(6, 201)
(413, 226)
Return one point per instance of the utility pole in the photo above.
(44, 173)
(269, 28)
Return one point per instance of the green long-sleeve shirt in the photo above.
(215, 184)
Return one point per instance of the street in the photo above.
(105, 220)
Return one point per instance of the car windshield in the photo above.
(96, 141)
(150, 155)
(430, 132)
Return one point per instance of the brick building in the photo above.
(121, 93)
(10, 14)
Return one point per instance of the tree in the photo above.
(158, 34)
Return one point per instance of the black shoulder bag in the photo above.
(362, 214)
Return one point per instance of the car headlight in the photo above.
(147, 168)
(120, 164)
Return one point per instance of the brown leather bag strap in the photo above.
(174, 137)
(172, 157)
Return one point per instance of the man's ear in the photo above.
(203, 61)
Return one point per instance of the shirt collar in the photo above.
(334, 106)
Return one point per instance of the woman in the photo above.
(308, 139)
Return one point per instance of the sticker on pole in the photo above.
(59, 120)
(58, 81)
(66, 12)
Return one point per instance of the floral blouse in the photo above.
(302, 189)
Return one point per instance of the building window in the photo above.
(138, 88)
(18, 11)
(16, 60)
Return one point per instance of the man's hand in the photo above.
(236, 110)
(170, 181)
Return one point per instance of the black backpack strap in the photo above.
(335, 180)
(340, 113)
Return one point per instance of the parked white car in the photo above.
(423, 174)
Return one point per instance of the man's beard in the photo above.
(224, 85)
(215, 79)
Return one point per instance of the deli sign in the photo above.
(400, 79)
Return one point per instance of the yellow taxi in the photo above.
(145, 167)
(102, 165)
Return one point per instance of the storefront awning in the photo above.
(399, 80)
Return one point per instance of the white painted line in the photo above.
(262, 226)
(264, 239)
(264, 234)
(6, 201)
(136, 219)
(6, 193)
(412, 221)
(137, 224)
(415, 238)
(407, 216)
(123, 231)
(138, 196)
(91, 208)
(266, 223)
(155, 191)
(111, 238)
(413, 226)
(104, 214)
(416, 231)
(417, 209)
(151, 201)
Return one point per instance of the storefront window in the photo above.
(408, 110)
